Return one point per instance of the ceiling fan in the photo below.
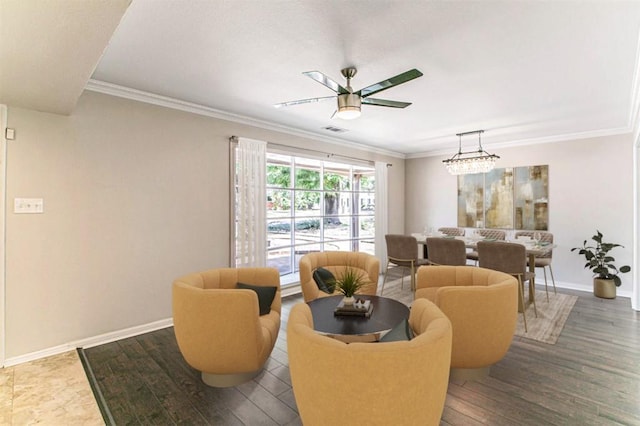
(349, 102)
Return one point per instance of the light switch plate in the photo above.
(28, 205)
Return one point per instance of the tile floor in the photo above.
(48, 391)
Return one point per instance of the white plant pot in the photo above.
(348, 300)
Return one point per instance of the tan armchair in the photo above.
(366, 265)
(483, 307)
(218, 327)
(404, 382)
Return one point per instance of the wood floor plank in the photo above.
(267, 402)
(591, 376)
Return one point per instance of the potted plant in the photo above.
(348, 284)
(602, 265)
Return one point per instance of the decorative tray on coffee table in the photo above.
(360, 308)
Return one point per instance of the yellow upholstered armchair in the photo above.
(390, 383)
(366, 265)
(482, 305)
(218, 326)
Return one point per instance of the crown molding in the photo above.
(532, 141)
(168, 102)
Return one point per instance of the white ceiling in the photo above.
(48, 49)
(520, 70)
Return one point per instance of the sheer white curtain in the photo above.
(382, 209)
(251, 203)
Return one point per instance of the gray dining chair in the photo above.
(446, 251)
(543, 261)
(452, 232)
(493, 234)
(510, 258)
(402, 251)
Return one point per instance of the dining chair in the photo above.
(446, 251)
(512, 259)
(452, 232)
(402, 251)
(493, 234)
(542, 261)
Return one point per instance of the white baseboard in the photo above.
(90, 341)
(581, 287)
(157, 325)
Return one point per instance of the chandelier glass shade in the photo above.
(469, 162)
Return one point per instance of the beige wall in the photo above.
(590, 187)
(135, 195)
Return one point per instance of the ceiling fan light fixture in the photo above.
(348, 106)
(462, 164)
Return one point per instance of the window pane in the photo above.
(303, 249)
(365, 180)
(367, 246)
(338, 203)
(367, 202)
(306, 228)
(340, 245)
(278, 203)
(278, 233)
(307, 203)
(367, 227)
(278, 176)
(337, 177)
(280, 259)
(336, 228)
(308, 176)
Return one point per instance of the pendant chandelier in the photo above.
(469, 162)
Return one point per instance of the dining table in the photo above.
(532, 249)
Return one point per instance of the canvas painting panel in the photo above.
(498, 200)
(471, 200)
(531, 191)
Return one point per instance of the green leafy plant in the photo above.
(349, 282)
(599, 260)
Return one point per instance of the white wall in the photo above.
(135, 195)
(590, 187)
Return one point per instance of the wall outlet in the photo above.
(28, 205)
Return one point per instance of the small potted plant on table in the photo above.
(348, 284)
(605, 272)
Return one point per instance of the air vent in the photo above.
(335, 129)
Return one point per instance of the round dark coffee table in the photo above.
(386, 314)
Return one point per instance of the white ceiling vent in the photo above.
(334, 129)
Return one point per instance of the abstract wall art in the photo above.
(505, 198)
(470, 200)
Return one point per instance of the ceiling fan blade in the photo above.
(326, 81)
(385, 103)
(303, 101)
(390, 82)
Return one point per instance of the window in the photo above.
(315, 205)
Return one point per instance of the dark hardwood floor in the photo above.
(591, 376)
